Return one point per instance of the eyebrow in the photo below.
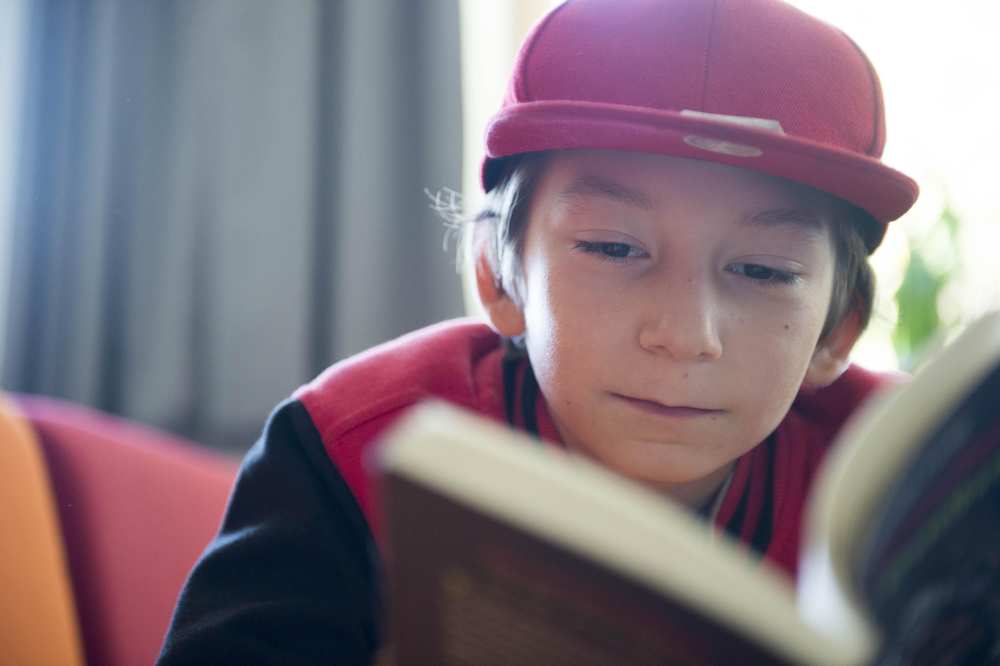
(799, 218)
(589, 185)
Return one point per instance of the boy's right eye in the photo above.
(610, 250)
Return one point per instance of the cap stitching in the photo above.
(876, 93)
(530, 48)
(708, 50)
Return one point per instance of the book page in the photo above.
(930, 573)
(905, 512)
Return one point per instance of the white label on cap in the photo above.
(767, 124)
(724, 147)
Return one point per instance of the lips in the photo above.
(660, 409)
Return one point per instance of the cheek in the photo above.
(557, 335)
(783, 361)
(546, 327)
(779, 365)
(775, 343)
(554, 302)
(568, 326)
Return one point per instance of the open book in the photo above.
(500, 551)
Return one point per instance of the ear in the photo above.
(505, 315)
(832, 355)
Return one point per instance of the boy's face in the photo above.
(671, 309)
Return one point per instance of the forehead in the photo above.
(656, 183)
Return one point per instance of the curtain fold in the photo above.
(215, 200)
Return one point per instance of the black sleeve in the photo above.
(292, 577)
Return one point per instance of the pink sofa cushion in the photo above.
(137, 507)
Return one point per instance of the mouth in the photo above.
(661, 409)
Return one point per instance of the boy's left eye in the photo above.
(763, 274)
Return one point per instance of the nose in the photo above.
(684, 326)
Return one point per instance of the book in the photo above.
(500, 551)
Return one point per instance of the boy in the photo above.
(681, 198)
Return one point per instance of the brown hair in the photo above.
(500, 225)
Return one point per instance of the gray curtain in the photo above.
(216, 199)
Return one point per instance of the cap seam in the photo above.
(876, 93)
(530, 49)
(708, 51)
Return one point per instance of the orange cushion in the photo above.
(37, 615)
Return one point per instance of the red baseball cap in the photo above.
(757, 84)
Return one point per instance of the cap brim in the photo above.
(556, 125)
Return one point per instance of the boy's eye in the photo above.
(611, 250)
(763, 274)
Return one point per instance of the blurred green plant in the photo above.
(933, 259)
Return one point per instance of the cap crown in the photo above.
(754, 58)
